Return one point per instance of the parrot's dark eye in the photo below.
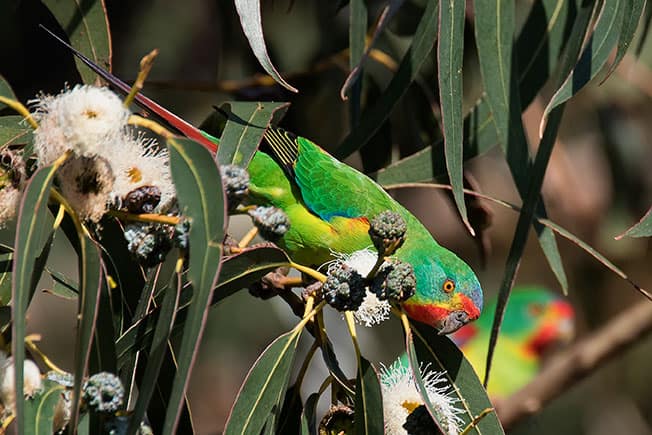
(449, 286)
(535, 309)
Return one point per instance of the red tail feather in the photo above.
(184, 127)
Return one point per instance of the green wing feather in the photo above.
(328, 187)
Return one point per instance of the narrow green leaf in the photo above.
(538, 46)
(440, 354)
(103, 357)
(201, 198)
(90, 271)
(252, 26)
(368, 401)
(6, 266)
(592, 252)
(6, 91)
(247, 267)
(357, 39)
(308, 420)
(645, 31)
(356, 61)
(494, 33)
(594, 56)
(643, 227)
(416, 367)
(522, 228)
(263, 386)
(632, 12)
(13, 132)
(39, 411)
(450, 56)
(289, 421)
(246, 125)
(30, 237)
(333, 365)
(5, 318)
(156, 353)
(372, 118)
(87, 26)
(236, 273)
(63, 286)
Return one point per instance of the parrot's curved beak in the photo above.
(454, 321)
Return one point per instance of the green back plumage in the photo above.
(329, 205)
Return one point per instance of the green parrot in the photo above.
(329, 205)
(535, 321)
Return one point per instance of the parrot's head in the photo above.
(535, 317)
(448, 293)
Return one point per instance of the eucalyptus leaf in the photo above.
(40, 410)
(245, 127)
(156, 353)
(438, 353)
(90, 271)
(289, 420)
(6, 266)
(450, 57)
(86, 25)
(632, 12)
(372, 118)
(29, 247)
(263, 386)
(63, 286)
(251, 22)
(368, 401)
(5, 91)
(201, 199)
(308, 423)
(643, 227)
(595, 54)
(13, 131)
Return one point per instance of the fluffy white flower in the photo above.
(86, 119)
(372, 311)
(9, 199)
(138, 164)
(401, 397)
(31, 381)
(87, 183)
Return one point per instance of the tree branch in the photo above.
(569, 367)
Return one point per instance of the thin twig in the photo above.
(545, 222)
(569, 367)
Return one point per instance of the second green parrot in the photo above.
(535, 320)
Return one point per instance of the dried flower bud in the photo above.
(12, 169)
(62, 378)
(148, 243)
(143, 199)
(182, 234)
(419, 422)
(236, 183)
(387, 231)
(338, 419)
(401, 398)
(272, 222)
(103, 392)
(344, 288)
(395, 281)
